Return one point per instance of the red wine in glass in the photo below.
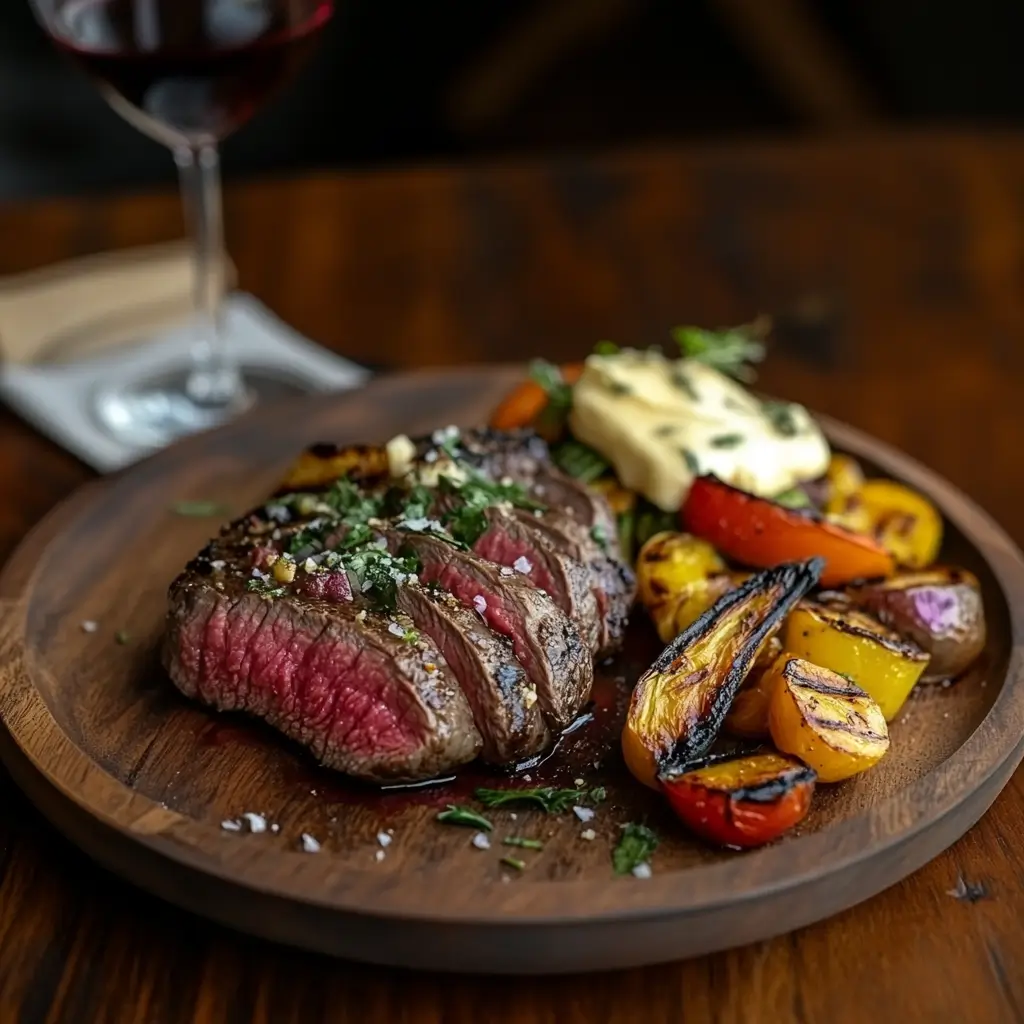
(199, 68)
(187, 73)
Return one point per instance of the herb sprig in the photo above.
(730, 350)
(465, 816)
(547, 798)
(635, 847)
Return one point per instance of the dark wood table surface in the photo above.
(895, 267)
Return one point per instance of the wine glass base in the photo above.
(155, 412)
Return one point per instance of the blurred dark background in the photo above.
(398, 81)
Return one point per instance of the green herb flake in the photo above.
(526, 844)
(548, 799)
(123, 637)
(513, 862)
(455, 815)
(691, 461)
(620, 387)
(795, 497)
(599, 536)
(579, 461)
(730, 350)
(598, 794)
(411, 636)
(682, 381)
(727, 440)
(199, 509)
(265, 588)
(635, 847)
(606, 348)
(782, 418)
(665, 430)
(550, 378)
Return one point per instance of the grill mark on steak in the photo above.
(547, 643)
(362, 700)
(504, 702)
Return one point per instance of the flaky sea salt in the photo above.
(383, 838)
(480, 603)
(523, 564)
(506, 571)
(588, 834)
(231, 826)
(642, 871)
(379, 856)
(309, 844)
(395, 629)
(583, 813)
(481, 842)
(257, 823)
(89, 626)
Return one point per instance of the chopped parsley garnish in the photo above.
(548, 799)
(455, 815)
(264, 587)
(730, 350)
(579, 461)
(599, 536)
(198, 509)
(606, 348)
(514, 862)
(380, 574)
(727, 440)
(123, 637)
(467, 522)
(598, 794)
(526, 844)
(411, 636)
(691, 461)
(665, 430)
(620, 387)
(635, 847)
(781, 417)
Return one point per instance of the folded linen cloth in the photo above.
(68, 330)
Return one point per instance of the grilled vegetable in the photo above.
(748, 716)
(679, 703)
(321, 465)
(940, 610)
(904, 522)
(669, 562)
(831, 724)
(857, 646)
(527, 405)
(844, 478)
(745, 802)
(762, 533)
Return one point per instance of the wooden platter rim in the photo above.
(652, 899)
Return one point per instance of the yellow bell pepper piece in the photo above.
(904, 522)
(845, 478)
(829, 723)
(853, 644)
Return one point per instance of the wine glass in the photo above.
(187, 73)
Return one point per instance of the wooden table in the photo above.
(896, 268)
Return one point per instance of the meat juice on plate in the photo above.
(197, 69)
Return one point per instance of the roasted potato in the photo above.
(678, 704)
(857, 646)
(748, 716)
(844, 478)
(831, 724)
(940, 610)
(669, 562)
(743, 802)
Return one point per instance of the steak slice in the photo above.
(514, 540)
(547, 643)
(612, 581)
(503, 699)
(333, 676)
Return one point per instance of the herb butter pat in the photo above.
(660, 422)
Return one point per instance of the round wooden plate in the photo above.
(141, 779)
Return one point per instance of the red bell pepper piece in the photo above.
(761, 533)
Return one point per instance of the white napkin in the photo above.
(67, 331)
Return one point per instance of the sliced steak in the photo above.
(331, 675)
(503, 699)
(547, 643)
(516, 542)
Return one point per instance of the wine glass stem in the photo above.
(214, 380)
